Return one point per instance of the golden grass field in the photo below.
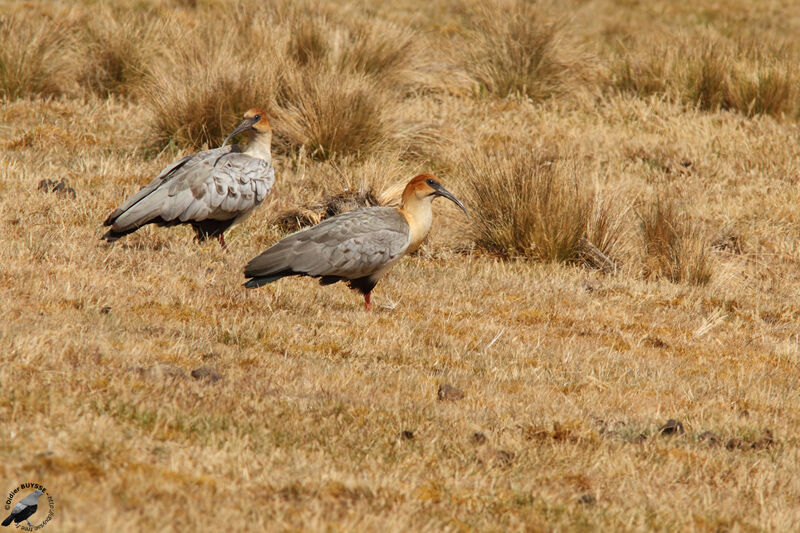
(668, 132)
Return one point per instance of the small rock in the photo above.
(58, 187)
(105, 310)
(587, 499)
(655, 342)
(206, 373)
(449, 393)
(710, 438)
(478, 438)
(735, 444)
(672, 427)
(407, 435)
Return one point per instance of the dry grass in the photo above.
(532, 204)
(748, 75)
(119, 50)
(674, 247)
(523, 51)
(314, 415)
(36, 57)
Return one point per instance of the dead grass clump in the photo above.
(330, 113)
(674, 247)
(342, 186)
(536, 205)
(347, 200)
(120, 48)
(513, 48)
(36, 55)
(198, 91)
(711, 72)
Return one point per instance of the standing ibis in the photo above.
(210, 190)
(358, 247)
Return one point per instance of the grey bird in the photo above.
(24, 509)
(210, 190)
(358, 247)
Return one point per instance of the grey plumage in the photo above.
(357, 247)
(211, 190)
(351, 246)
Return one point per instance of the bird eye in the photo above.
(430, 182)
(257, 117)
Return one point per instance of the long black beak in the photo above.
(441, 191)
(244, 126)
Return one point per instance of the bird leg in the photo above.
(367, 305)
(221, 239)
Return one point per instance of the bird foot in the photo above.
(367, 304)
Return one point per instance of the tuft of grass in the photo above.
(522, 52)
(331, 113)
(196, 96)
(119, 50)
(674, 247)
(708, 71)
(536, 205)
(36, 55)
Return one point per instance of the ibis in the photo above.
(357, 247)
(209, 190)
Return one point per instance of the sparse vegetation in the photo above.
(499, 384)
(706, 70)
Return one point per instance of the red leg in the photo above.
(221, 239)
(367, 305)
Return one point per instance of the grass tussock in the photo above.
(198, 91)
(674, 247)
(331, 87)
(513, 47)
(330, 113)
(119, 49)
(529, 204)
(711, 72)
(36, 55)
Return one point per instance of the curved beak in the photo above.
(441, 191)
(244, 126)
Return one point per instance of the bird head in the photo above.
(255, 123)
(426, 187)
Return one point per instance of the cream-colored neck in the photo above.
(260, 146)
(419, 215)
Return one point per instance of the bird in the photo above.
(24, 509)
(357, 247)
(210, 190)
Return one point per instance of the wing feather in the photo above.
(220, 184)
(350, 245)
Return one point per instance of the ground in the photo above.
(148, 390)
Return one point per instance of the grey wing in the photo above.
(234, 185)
(21, 506)
(217, 184)
(174, 172)
(350, 245)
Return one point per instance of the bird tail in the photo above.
(8, 520)
(260, 281)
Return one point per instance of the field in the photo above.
(610, 342)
